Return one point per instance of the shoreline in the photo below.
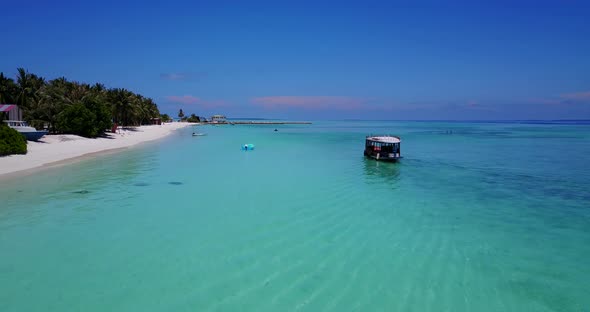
(59, 150)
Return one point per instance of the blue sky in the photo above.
(311, 60)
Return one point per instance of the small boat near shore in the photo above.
(383, 147)
(27, 131)
(199, 134)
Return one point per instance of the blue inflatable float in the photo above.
(248, 147)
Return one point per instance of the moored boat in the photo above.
(383, 147)
(27, 131)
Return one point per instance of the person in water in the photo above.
(245, 147)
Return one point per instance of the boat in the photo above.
(383, 147)
(27, 131)
(199, 134)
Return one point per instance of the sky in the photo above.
(311, 60)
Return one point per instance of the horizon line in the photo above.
(471, 120)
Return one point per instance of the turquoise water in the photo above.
(477, 217)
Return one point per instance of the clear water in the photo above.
(477, 217)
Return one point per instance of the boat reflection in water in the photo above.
(382, 173)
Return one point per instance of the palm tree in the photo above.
(147, 110)
(99, 87)
(28, 84)
(7, 90)
(129, 108)
(45, 103)
(52, 100)
(119, 100)
(28, 97)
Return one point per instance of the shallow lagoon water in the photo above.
(476, 217)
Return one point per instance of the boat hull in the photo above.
(33, 135)
(381, 157)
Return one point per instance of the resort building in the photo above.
(11, 112)
(218, 119)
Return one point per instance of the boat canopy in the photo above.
(384, 139)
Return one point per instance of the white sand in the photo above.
(57, 148)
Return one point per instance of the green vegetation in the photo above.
(165, 118)
(63, 106)
(11, 142)
(78, 119)
(193, 118)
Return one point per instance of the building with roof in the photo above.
(11, 112)
(218, 119)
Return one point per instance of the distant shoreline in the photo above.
(524, 121)
(57, 150)
(263, 122)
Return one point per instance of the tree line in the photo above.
(63, 106)
(183, 117)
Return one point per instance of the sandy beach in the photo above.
(54, 149)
